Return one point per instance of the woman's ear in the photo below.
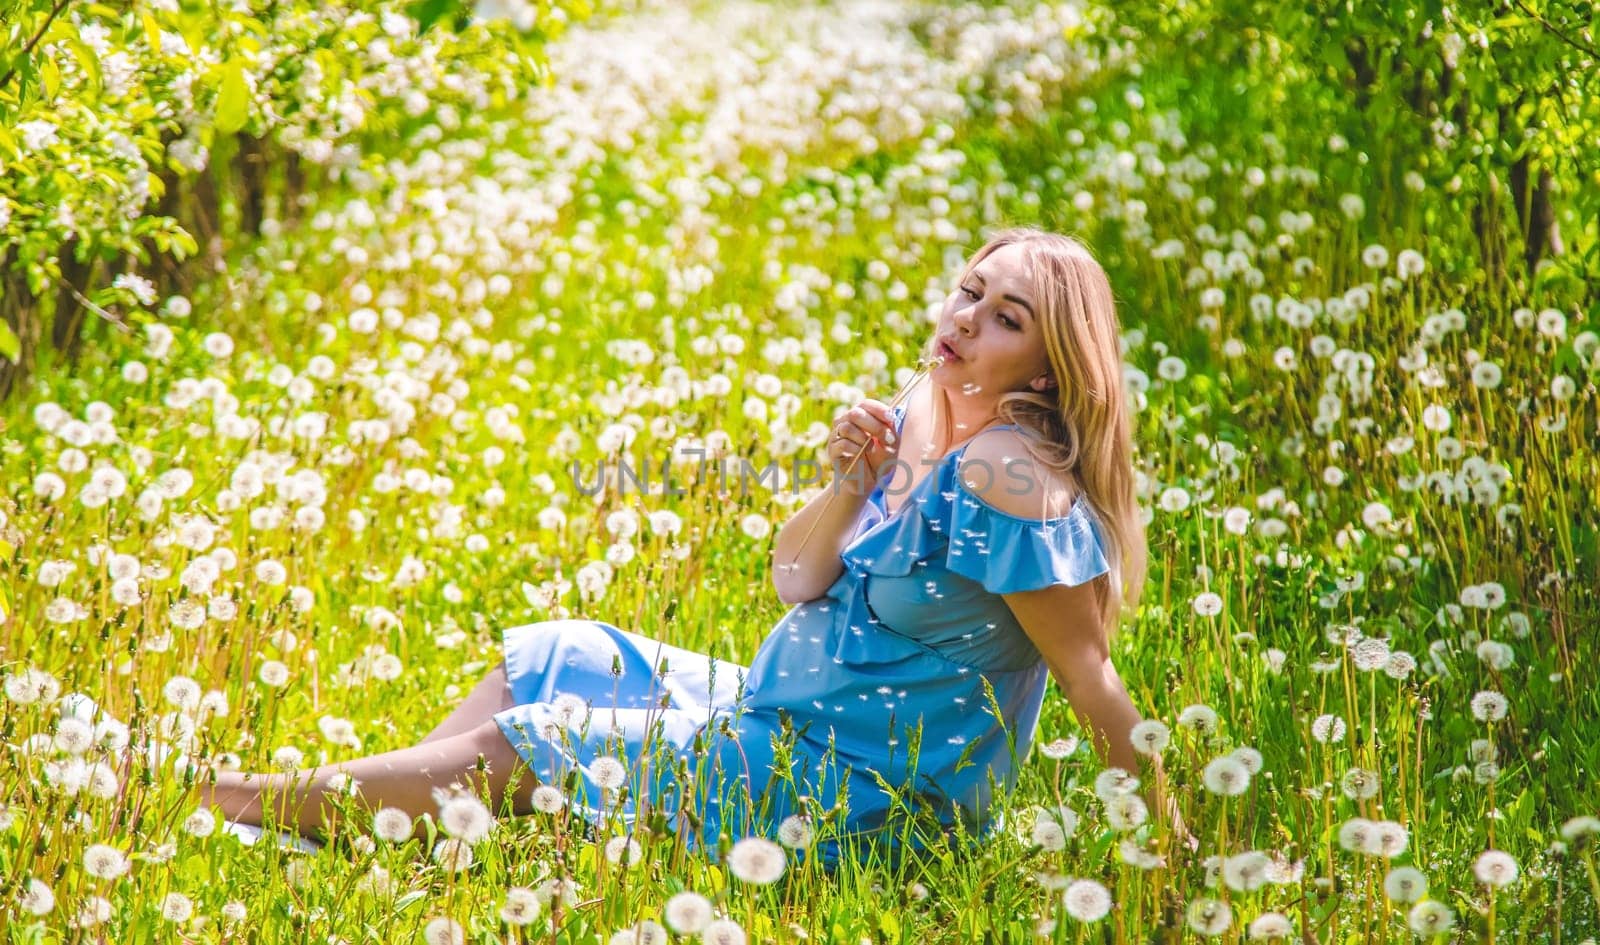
(1043, 382)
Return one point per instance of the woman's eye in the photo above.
(971, 294)
(1008, 322)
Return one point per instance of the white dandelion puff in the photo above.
(521, 906)
(443, 931)
(1431, 917)
(608, 772)
(687, 913)
(1201, 718)
(392, 825)
(1226, 776)
(757, 861)
(104, 862)
(1405, 884)
(465, 818)
(1087, 900)
(1269, 926)
(1151, 737)
(1489, 706)
(1496, 868)
(1209, 917)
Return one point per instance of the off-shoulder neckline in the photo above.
(961, 487)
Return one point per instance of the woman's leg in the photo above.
(405, 779)
(492, 694)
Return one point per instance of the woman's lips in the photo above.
(948, 352)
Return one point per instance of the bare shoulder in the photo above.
(998, 469)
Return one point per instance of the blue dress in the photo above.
(895, 705)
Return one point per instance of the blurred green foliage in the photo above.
(136, 136)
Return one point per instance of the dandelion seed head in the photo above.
(548, 799)
(1405, 884)
(1209, 917)
(1087, 900)
(1430, 917)
(1496, 868)
(521, 906)
(757, 861)
(441, 930)
(687, 913)
(1113, 781)
(1226, 776)
(1270, 926)
(1489, 706)
(1201, 718)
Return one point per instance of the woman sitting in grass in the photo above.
(976, 538)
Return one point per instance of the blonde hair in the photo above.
(1083, 425)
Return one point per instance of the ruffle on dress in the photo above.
(1003, 552)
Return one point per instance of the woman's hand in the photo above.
(865, 430)
(1181, 837)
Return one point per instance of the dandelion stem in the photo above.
(923, 367)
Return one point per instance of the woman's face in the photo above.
(989, 332)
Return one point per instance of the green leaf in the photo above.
(429, 12)
(10, 344)
(233, 99)
(889, 925)
(87, 61)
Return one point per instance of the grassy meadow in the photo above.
(284, 522)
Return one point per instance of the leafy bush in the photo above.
(136, 136)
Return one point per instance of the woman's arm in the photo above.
(802, 574)
(1063, 623)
